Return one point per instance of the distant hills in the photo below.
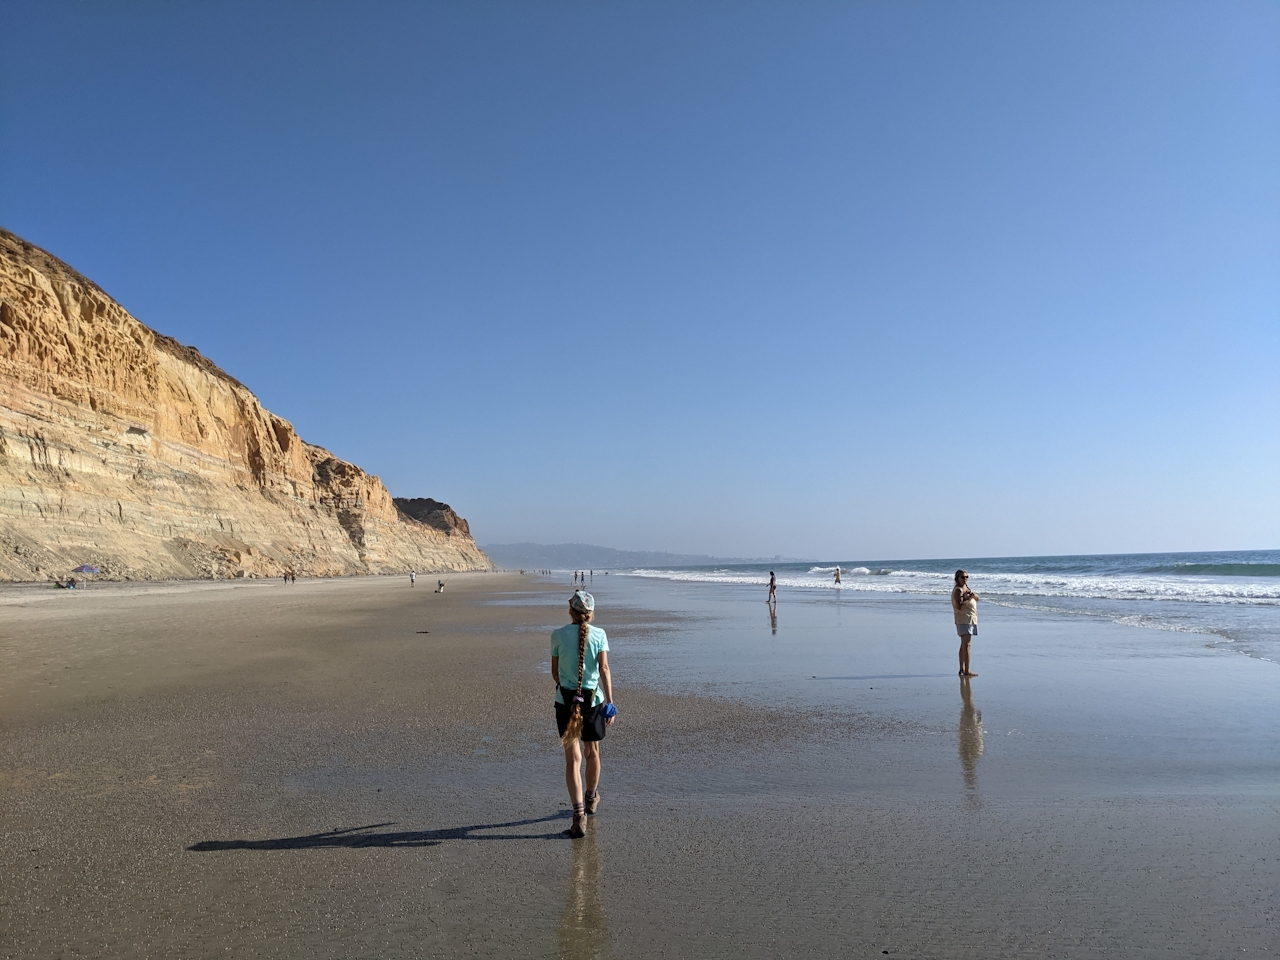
(583, 556)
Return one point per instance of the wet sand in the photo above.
(250, 769)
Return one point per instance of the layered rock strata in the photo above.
(124, 449)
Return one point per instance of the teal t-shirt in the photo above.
(564, 644)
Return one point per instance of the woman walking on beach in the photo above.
(584, 688)
(964, 604)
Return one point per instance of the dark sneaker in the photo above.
(592, 803)
(575, 832)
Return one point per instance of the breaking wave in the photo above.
(1180, 586)
(1220, 569)
(1232, 597)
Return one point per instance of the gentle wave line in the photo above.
(1180, 588)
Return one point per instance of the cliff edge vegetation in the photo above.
(124, 449)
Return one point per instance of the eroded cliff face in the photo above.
(122, 448)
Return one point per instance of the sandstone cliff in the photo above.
(122, 448)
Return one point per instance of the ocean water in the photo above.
(1231, 599)
(1115, 675)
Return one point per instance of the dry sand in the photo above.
(250, 769)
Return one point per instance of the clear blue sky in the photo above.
(823, 280)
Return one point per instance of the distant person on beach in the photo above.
(773, 589)
(584, 686)
(964, 604)
(837, 576)
(439, 586)
(413, 578)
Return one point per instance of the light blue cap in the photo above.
(582, 602)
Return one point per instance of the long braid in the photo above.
(584, 630)
(573, 729)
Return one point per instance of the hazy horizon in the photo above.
(820, 280)
(779, 558)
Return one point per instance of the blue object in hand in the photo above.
(610, 711)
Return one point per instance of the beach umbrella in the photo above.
(86, 568)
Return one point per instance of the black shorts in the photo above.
(593, 721)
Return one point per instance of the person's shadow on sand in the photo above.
(362, 837)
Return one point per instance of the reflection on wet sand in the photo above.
(971, 747)
(583, 931)
(773, 619)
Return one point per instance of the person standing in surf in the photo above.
(584, 688)
(964, 605)
(773, 589)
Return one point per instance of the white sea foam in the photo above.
(1215, 590)
(1234, 598)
